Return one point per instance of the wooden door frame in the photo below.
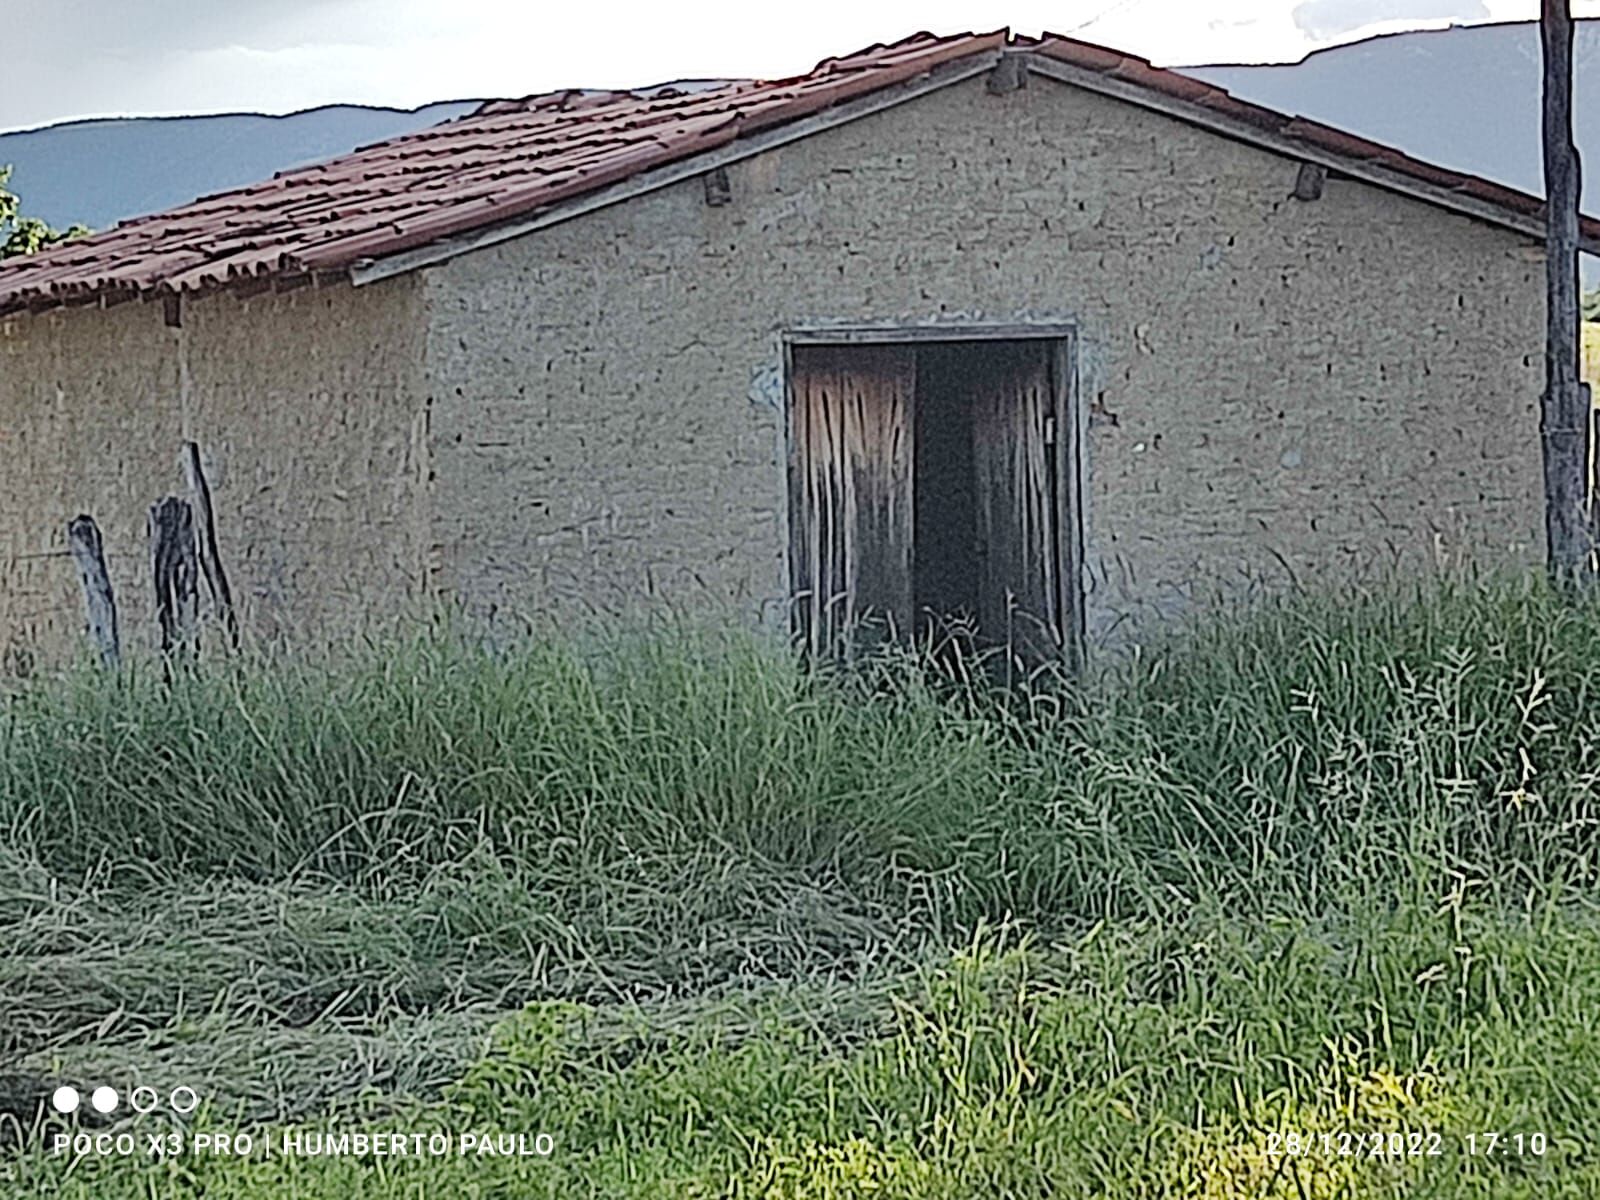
(1070, 439)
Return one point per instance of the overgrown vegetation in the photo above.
(20, 234)
(741, 930)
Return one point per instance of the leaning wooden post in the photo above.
(206, 543)
(1564, 422)
(83, 540)
(172, 567)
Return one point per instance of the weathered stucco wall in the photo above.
(309, 407)
(1271, 387)
(591, 416)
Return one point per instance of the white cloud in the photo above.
(1328, 19)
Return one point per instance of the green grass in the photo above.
(734, 929)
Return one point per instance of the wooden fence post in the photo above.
(83, 541)
(206, 542)
(172, 564)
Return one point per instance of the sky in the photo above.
(82, 58)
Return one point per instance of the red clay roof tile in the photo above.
(512, 158)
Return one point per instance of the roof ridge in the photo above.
(577, 99)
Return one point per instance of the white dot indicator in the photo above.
(104, 1099)
(64, 1100)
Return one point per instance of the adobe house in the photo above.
(1019, 329)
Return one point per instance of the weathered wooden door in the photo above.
(851, 492)
(1016, 459)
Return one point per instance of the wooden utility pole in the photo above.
(1565, 422)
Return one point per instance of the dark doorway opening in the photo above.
(933, 495)
(946, 553)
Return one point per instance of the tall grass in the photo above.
(432, 823)
(1342, 845)
(1378, 741)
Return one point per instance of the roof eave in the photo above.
(111, 295)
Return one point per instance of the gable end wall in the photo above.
(1271, 389)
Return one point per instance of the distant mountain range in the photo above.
(1466, 97)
